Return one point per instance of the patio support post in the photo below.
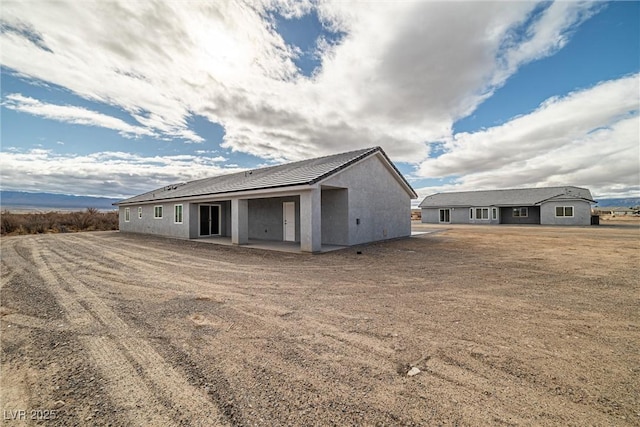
(239, 221)
(310, 225)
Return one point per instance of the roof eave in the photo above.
(551, 199)
(150, 196)
(223, 194)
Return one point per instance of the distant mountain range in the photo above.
(621, 203)
(20, 200)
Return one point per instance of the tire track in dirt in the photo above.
(185, 400)
(162, 257)
(75, 313)
(270, 316)
(168, 286)
(234, 281)
(151, 357)
(205, 257)
(131, 394)
(6, 277)
(177, 285)
(27, 321)
(92, 272)
(12, 262)
(144, 270)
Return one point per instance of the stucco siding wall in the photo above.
(164, 226)
(225, 211)
(430, 216)
(459, 215)
(194, 225)
(581, 213)
(266, 218)
(335, 216)
(376, 199)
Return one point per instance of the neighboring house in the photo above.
(616, 211)
(550, 205)
(344, 199)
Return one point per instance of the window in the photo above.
(445, 215)
(177, 214)
(482, 213)
(521, 212)
(471, 213)
(564, 210)
(140, 212)
(127, 214)
(494, 213)
(157, 212)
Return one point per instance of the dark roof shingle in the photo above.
(305, 172)
(511, 197)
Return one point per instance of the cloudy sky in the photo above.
(113, 98)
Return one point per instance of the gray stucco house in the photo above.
(547, 205)
(343, 199)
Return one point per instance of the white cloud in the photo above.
(588, 138)
(551, 31)
(109, 174)
(72, 115)
(152, 59)
(402, 74)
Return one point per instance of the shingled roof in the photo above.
(305, 172)
(511, 197)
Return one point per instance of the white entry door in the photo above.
(289, 221)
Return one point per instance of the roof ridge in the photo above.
(365, 153)
(301, 172)
(513, 189)
(511, 196)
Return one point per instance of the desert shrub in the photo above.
(34, 223)
(106, 221)
(10, 223)
(82, 220)
(65, 222)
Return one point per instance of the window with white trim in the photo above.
(471, 213)
(157, 212)
(520, 212)
(139, 212)
(494, 213)
(482, 213)
(127, 214)
(177, 214)
(564, 211)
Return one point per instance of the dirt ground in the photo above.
(508, 326)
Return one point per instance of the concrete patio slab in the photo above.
(269, 245)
